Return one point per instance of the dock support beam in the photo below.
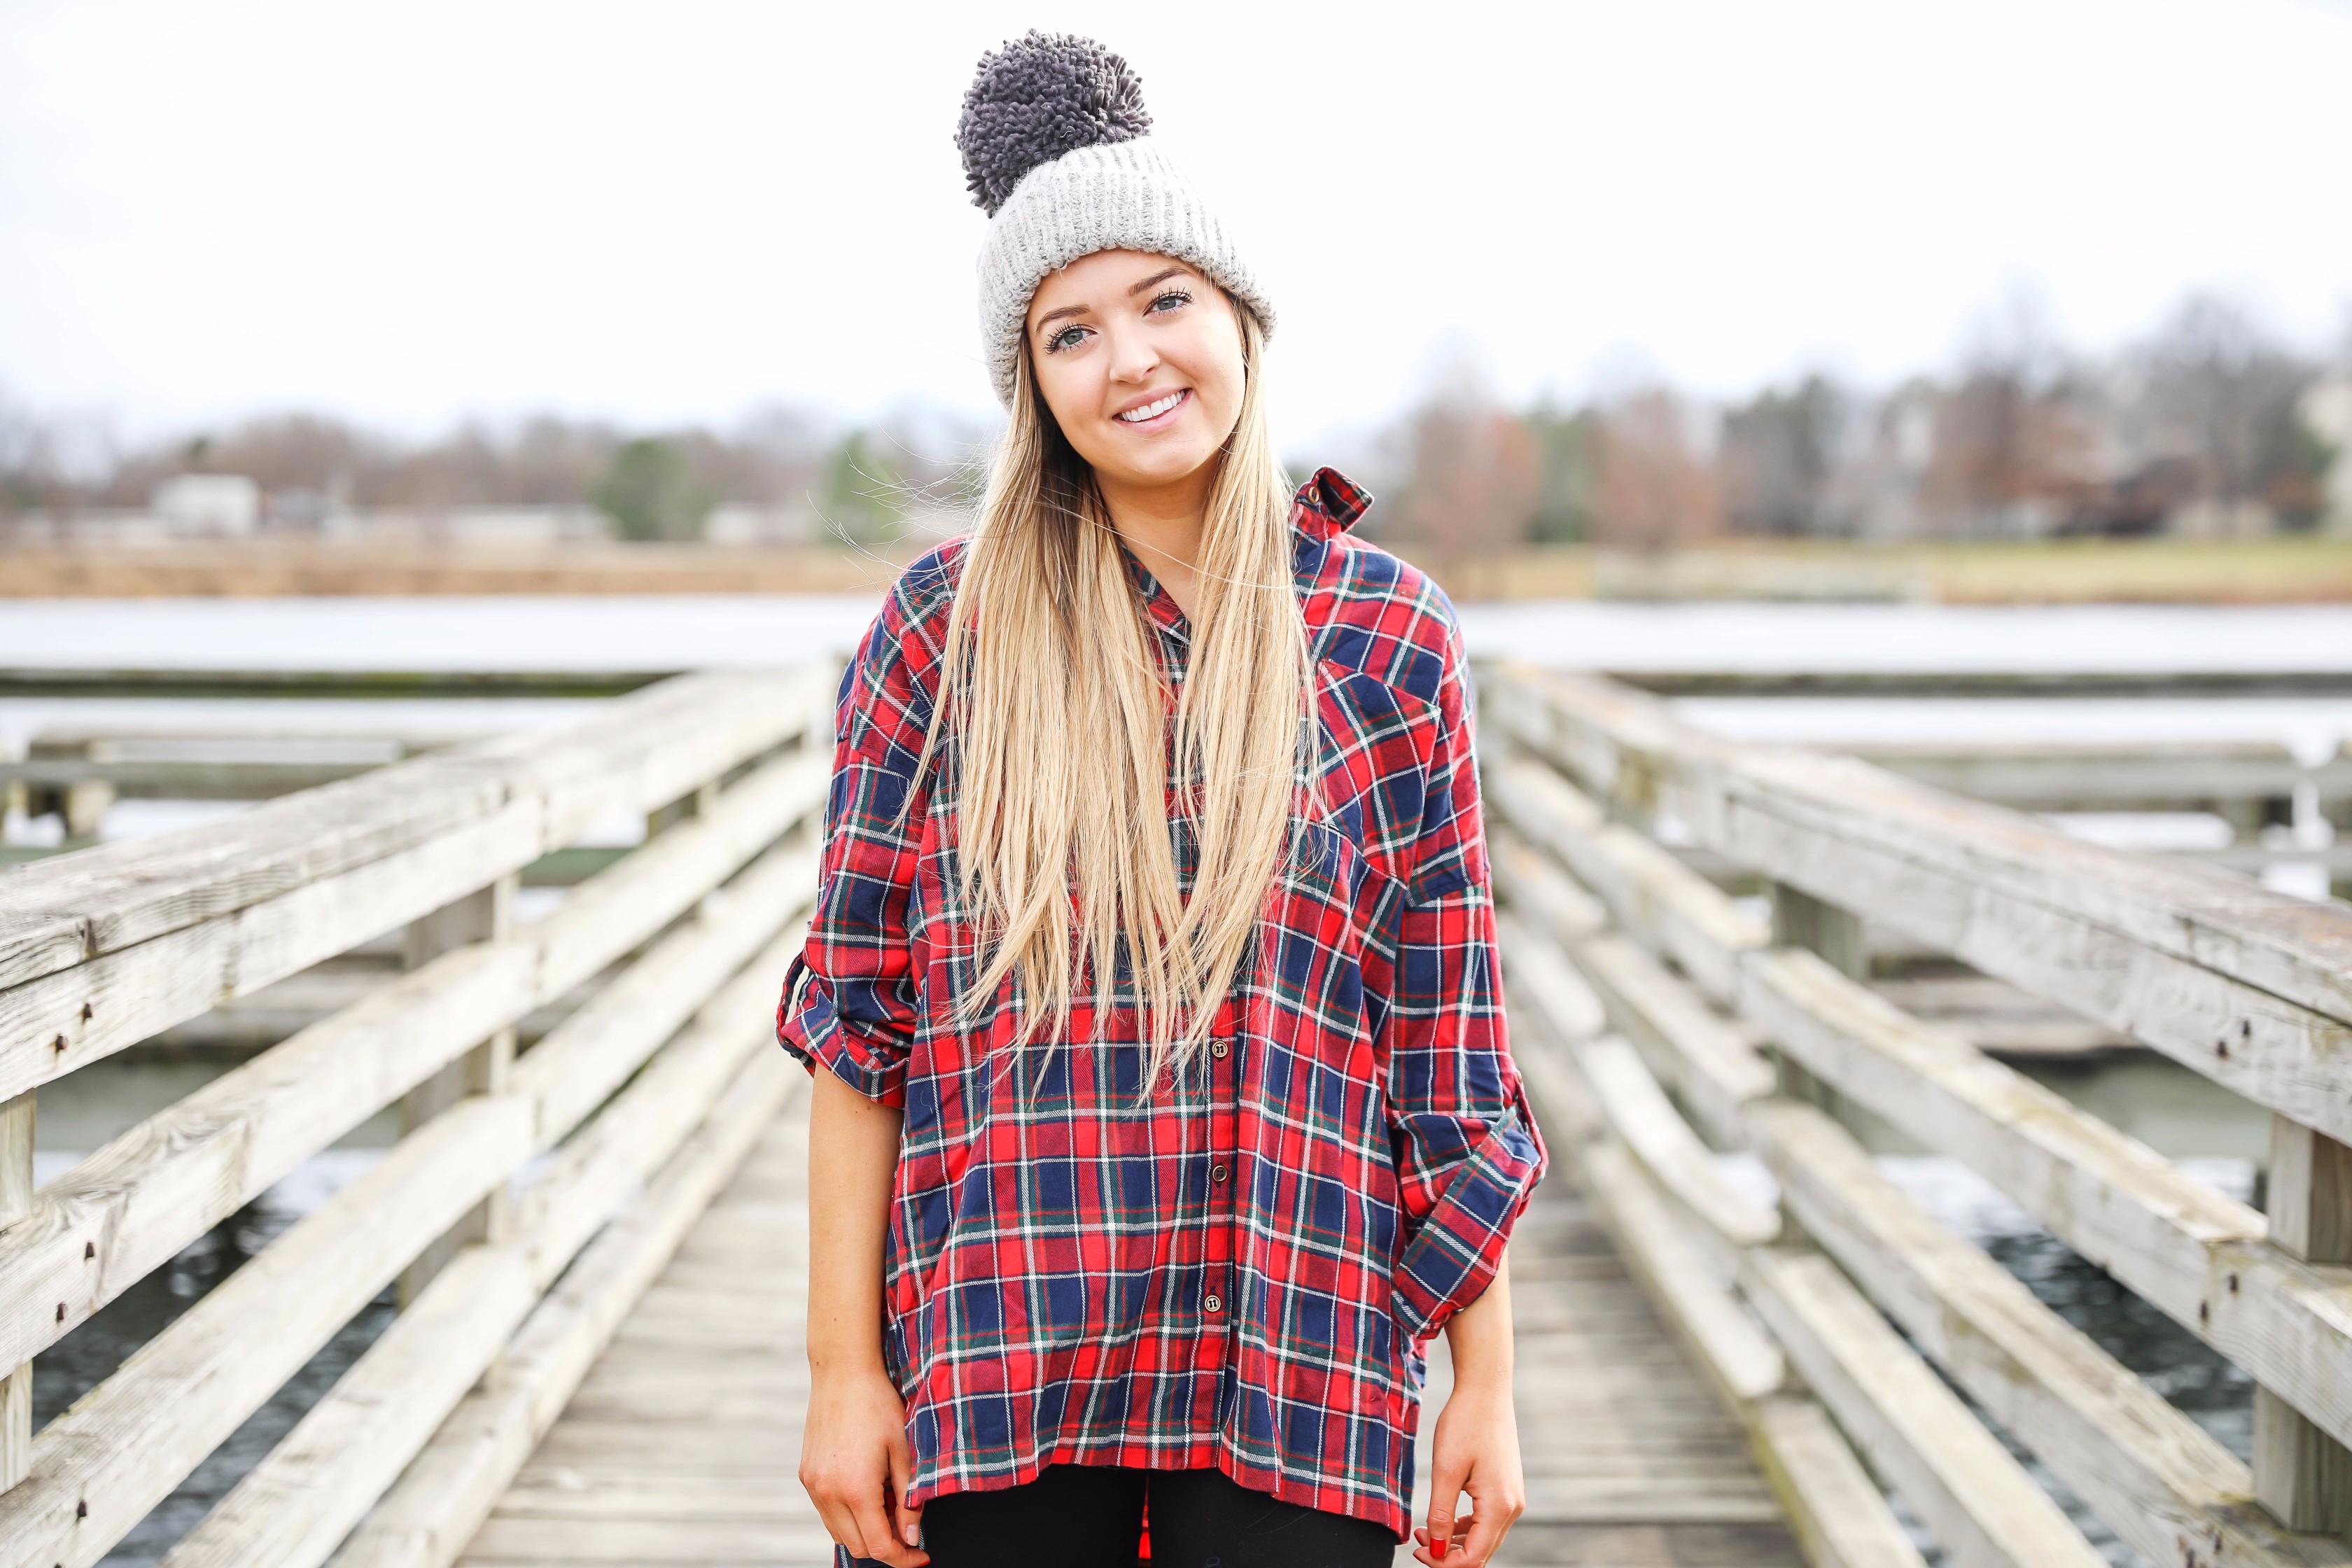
(1801, 919)
(2303, 1475)
(16, 1201)
(482, 916)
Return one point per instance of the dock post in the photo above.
(2301, 1474)
(16, 1201)
(481, 916)
(1801, 919)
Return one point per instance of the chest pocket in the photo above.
(1377, 743)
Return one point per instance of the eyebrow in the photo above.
(1156, 278)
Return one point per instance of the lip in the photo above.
(1183, 397)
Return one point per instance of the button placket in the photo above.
(1218, 1287)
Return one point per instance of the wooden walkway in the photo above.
(682, 1444)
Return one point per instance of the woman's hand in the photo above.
(854, 1457)
(1475, 1447)
(1475, 1450)
(855, 1463)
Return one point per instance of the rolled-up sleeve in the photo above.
(1468, 1155)
(851, 1003)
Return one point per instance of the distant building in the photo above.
(226, 504)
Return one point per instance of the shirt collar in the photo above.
(1327, 506)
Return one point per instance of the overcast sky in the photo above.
(412, 212)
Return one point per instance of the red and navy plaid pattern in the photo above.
(1239, 1273)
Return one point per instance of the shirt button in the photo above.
(1212, 1302)
(1217, 1172)
(1218, 1049)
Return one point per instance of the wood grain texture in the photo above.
(145, 1194)
(303, 1497)
(1834, 1508)
(2197, 1255)
(102, 949)
(213, 1366)
(2159, 1478)
(679, 1444)
(2251, 988)
(1984, 1510)
(17, 1119)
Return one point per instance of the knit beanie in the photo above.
(1057, 151)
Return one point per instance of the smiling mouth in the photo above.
(1151, 410)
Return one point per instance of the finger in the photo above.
(905, 1519)
(839, 1524)
(1483, 1533)
(1446, 1479)
(873, 1520)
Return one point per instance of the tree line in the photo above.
(2209, 426)
(2212, 425)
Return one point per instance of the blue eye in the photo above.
(1067, 338)
(1174, 299)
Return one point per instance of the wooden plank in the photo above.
(1639, 1114)
(1709, 1064)
(1673, 909)
(2251, 988)
(622, 1540)
(2302, 1473)
(302, 1500)
(99, 1467)
(1836, 1509)
(343, 1253)
(1982, 1507)
(428, 1516)
(2194, 1254)
(134, 1204)
(1728, 1348)
(16, 1120)
(1827, 930)
(651, 746)
(166, 928)
(1539, 891)
(2155, 1477)
(1571, 1009)
(485, 915)
(1649, 1546)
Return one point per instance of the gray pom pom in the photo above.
(1037, 98)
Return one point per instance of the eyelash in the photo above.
(1070, 337)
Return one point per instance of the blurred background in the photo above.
(1565, 280)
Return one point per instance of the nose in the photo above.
(1133, 357)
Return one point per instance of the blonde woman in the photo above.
(1167, 1109)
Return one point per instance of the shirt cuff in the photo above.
(810, 1028)
(1458, 1246)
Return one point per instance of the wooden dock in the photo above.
(593, 1212)
(681, 1444)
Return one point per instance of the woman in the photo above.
(1168, 1106)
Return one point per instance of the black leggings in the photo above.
(1091, 1516)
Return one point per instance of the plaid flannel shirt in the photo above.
(1239, 1275)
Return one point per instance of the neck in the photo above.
(1163, 524)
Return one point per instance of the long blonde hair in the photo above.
(1054, 705)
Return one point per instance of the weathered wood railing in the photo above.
(1667, 1018)
(496, 1209)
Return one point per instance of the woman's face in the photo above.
(1139, 359)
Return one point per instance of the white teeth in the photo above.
(1150, 410)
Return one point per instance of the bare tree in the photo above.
(2223, 393)
(1658, 489)
(1473, 473)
